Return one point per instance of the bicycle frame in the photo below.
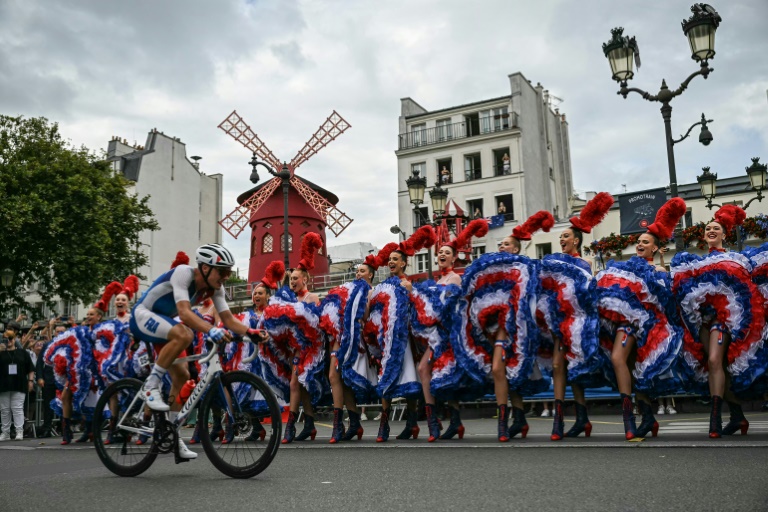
(212, 376)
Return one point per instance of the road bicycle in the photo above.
(242, 398)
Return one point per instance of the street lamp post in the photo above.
(621, 52)
(285, 177)
(757, 172)
(416, 187)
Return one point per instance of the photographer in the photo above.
(16, 380)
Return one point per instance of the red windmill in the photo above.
(311, 207)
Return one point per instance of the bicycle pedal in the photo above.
(179, 460)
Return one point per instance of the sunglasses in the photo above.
(224, 272)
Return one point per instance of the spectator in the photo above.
(666, 406)
(47, 382)
(505, 164)
(502, 208)
(16, 379)
(477, 214)
(445, 175)
(546, 410)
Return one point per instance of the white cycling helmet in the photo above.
(214, 255)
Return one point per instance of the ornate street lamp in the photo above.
(416, 187)
(6, 277)
(285, 176)
(708, 183)
(621, 51)
(700, 30)
(757, 174)
(439, 197)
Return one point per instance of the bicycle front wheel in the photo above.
(119, 409)
(249, 443)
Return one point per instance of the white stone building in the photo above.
(512, 150)
(186, 202)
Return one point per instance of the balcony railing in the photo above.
(463, 130)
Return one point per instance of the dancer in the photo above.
(298, 393)
(724, 316)
(504, 348)
(73, 400)
(567, 312)
(638, 317)
(441, 297)
(387, 332)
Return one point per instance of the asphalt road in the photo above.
(680, 470)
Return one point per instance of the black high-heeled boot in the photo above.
(519, 423)
(309, 429)
(217, 431)
(229, 431)
(432, 425)
(66, 431)
(503, 429)
(557, 421)
(411, 426)
(715, 418)
(87, 434)
(455, 427)
(258, 433)
(338, 426)
(290, 428)
(582, 422)
(630, 428)
(195, 439)
(383, 434)
(355, 428)
(737, 421)
(649, 423)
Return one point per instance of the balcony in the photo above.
(456, 131)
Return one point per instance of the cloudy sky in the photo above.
(122, 68)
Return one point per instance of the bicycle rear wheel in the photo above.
(245, 400)
(122, 457)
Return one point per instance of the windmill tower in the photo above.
(310, 207)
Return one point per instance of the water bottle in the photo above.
(185, 391)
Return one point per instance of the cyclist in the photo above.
(172, 295)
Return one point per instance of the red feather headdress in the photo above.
(424, 237)
(729, 216)
(667, 218)
(309, 246)
(477, 228)
(110, 291)
(539, 220)
(130, 286)
(181, 259)
(381, 259)
(593, 212)
(273, 274)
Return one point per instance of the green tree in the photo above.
(67, 220)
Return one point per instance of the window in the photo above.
(472, 170)
(551, 173)
(290, 242)
(501, 162)
(266, 244)
(688, 219)
(419, 134)
(420, 217)
(267, 225)
(444, 130)
(477, 251)
(542, 250)
(475, 208)
(472, 123)
(505, 206)
(422, 263)
(445, 170)
(494, 120)
(420, 168)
